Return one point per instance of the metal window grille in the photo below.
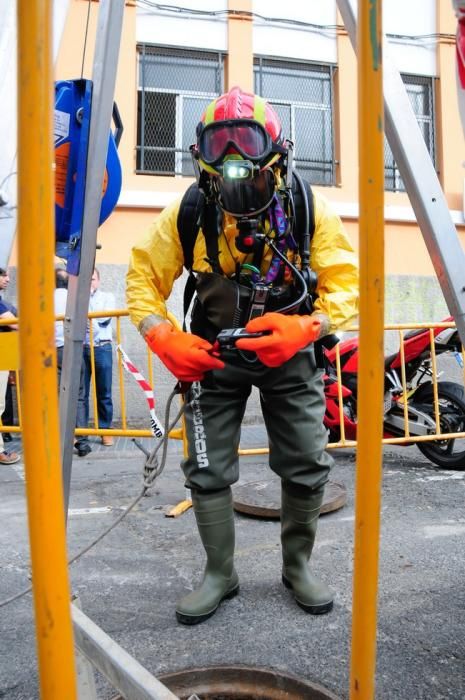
(303, 96)
(175, 86)
(421, 94)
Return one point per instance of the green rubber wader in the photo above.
(215, 522)
(300, 509)
(293, 405)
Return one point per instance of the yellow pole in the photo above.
(370, 408)
(37, 353)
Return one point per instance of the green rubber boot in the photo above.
(300, 508)
(215, 521)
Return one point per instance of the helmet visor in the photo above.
(245, 136)
(246, 197)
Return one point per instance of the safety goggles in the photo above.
(246, 137)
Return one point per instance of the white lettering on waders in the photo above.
(200, 439)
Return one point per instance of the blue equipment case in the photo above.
(73, 103)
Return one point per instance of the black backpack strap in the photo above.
(304, 209)
(196, 212)
(210, 223)
(188, 222)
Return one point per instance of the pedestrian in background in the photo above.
(7, 311)
(102, 342)
(59, 298)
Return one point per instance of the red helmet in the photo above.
(237, 104)
(242, 123)
(240, 126)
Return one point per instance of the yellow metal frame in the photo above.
(40, 425)
(371, 353)
(178, 433)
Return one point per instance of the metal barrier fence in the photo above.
(439, 432)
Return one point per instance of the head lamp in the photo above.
(238, 170)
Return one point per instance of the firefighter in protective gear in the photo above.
(243, 166)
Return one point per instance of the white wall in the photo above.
(409, 18)
(412, 18)
(272, 38)
(187, 29)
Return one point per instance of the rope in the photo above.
(151, 471)
(85, 39)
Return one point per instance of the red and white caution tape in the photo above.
(157, 428)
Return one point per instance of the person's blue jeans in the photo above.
(103, 357)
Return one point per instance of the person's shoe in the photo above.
(107, 440)
(9, 457)
(83, 449)
(7, 437)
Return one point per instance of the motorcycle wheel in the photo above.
(451, 399)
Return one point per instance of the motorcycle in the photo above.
(448, 453)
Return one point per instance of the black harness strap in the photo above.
(210, 224)
(196, 211)
(188, 222)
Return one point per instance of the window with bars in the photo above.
(175, 86)
(421, 94)
(303, 96)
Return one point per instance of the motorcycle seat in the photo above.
(412, 334)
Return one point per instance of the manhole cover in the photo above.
(263, 498)
(241, 683)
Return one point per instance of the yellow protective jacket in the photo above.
(157, 261)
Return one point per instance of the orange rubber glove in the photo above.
(185, 355)
(288, 335)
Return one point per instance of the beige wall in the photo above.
(405, 251)
(239, 67)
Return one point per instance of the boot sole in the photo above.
(195, 619)
(320, 609)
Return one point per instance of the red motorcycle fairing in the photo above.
(421, 410)
(416, 342)
(332, 415)
(348, 353)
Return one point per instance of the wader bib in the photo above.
(293, 405)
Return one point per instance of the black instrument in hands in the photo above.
(226, 339)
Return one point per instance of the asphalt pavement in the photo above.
(128, 583)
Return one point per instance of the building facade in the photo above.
(177, 56)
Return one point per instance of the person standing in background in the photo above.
(7, 311)
(59, 298)
(102, 341)
(8, 415)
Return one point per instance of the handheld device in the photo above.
(226, 339)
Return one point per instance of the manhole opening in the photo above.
(241, 683)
